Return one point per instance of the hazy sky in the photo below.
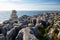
(29, 5)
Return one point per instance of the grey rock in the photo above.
(34, 21)
(30, 25)
(6, 22)
(59, 36)
(1, 26)
(13, 15)
(2, 37)
(26, 34)
(12, 33)
(24, 17)
(6, 28)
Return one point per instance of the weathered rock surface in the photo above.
(6, 28)
(2, 37)
(23, 28)
(27, 34)
(30, 25)
(12, 33)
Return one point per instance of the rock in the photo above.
(17, 24)
(59, 36)
(12, 33)
(6, 22)
(42, 22)
(27, 34)
(38, 24)
(24, 17)
(21, 25)
(49, 35)
(34, 21)
(13, 15)
(24, 26)
(1, 26)
(30, 25)
(6, 28)
(2, 37)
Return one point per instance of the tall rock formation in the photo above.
(14, 15)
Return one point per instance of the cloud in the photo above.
(3, 0)
(17, 6)
(16, 0)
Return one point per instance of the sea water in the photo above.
(5, 15)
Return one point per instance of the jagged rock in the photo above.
(12, 33)
(59, 36)
(42, 22)
(21, 25)
(30, 25)
(49, 35)
(24, 26)
(1, 26)
(6, 22)
(24, 17)
(17, 24)
(6, 28)
(2, 37)
(11, 27)
(13, 15)
(34, 21)
(27, 34)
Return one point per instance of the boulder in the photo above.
(12, 33)
(6, 28)
(27, 34)
(30, 25)
(1, 26)
(6, 22)
(49, 35)
(34, 21)
(24, 17)
(59, 36)
(21, 25)
(2, 37)
(14, 15)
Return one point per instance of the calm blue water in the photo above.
(5, 15)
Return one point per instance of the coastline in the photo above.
(36, 27)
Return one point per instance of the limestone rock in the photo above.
(2, 37)
(30, 25)
(24, 17)
(6, 28)
(13, 15)
(12, 33)
(59, 36)
(26, 34)
(6, 22)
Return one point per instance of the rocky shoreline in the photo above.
(38, 27)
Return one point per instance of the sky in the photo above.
(29, 5)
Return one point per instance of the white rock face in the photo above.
(25, 33)
(49, 36)
(30, 25)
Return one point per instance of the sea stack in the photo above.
(14, 15)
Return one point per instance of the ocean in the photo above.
(5, 15)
